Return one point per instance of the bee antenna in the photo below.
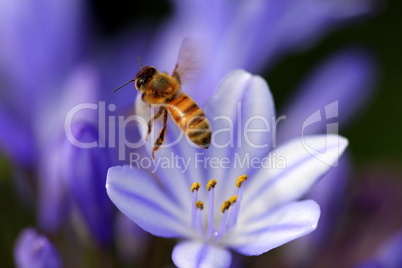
(123, 85)
(139, 61)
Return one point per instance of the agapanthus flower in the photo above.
(70, 173)
(333, 83)
(42, 47)
(211, 205)
(33, 250)
(44, 77)
(387, 255)
(252, 35)
(38, 51)
(368, 229)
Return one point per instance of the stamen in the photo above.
(239, 184)
(230, 210)
(240, 180)
(194, 189)
(233, 199)
(199, 207)
(211, 184)
(210, 187)
(225, 206)
(224, 209)
(231, 217)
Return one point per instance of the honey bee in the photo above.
(163, 89)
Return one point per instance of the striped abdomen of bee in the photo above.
(191, 119)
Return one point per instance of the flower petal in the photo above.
(77, 102)
(131, 241)
(16, 139)
(389, 253)
(35, 251)
(191, 254)
(53, 205)
(241, 114)
(238, 36)
(295, 167)
(276, 228)
(241, 98)
(175, 158)
(331, 88)
(329, 194)
(33, 41)
(139, 197)
(84, 172)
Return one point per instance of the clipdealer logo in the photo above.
(114, 132)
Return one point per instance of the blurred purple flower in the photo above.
(44, 80)
(132, 242)
(83, 172)
(244, 34)
(247, 34)
(34, 59)
(332, 94)
(265, 214)
(41, 70)
(33, 250)
(368, 223)
(70, 175)
(388, 255)
(335, 90)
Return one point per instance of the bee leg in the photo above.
(156, 116)
(161, 138)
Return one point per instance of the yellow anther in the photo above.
(240, 180)
(199, 205)
(233, 199)
(225, 206)
(211, 184)
(195, 187)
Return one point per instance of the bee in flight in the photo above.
(164, 90)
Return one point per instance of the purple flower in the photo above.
(83, 172)
(43, 79)
(34, 60)
(70, 171)
(33, 250)
(257, 214)
(244, 34)
(329, 95)
(131, 241)
(368, 229)
(388, 255)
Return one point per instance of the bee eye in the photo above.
(140, 82)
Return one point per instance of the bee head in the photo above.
(143, 76)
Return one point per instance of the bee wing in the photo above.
(189, 59)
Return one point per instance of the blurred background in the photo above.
(369, 203)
